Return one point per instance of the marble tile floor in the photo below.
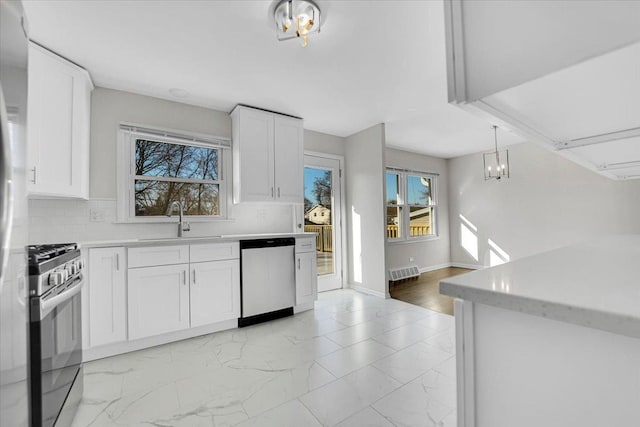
(356, 360)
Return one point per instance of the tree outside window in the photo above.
(166, 172)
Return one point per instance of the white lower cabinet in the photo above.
(107, 296)
(306, 277)
(306, 271)
(215, 291)
(158, 300)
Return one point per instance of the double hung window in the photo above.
(163, 167)
(411, 203)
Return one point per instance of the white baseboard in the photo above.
(470, 266)
(368, 291)
(434, 267)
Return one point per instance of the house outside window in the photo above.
(160, 167)
(411, 205)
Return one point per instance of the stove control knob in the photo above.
(57, 277)
(72, 268)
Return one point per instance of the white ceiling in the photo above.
(373, 62)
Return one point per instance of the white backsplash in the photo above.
(60, 221)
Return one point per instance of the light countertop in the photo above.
(594, 284)
(188, 240)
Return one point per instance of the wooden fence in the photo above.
(324, 236)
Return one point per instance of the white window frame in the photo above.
(403, 175)
(127, 136)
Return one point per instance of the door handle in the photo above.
(184, 277)
(271, 191)
(35, 175)
(298, 263)
(194, 276)
(117, 262)
(278, 192)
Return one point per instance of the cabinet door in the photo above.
(50, 118)
(158, 300)
(289, 159)
(306, 277)
(215, 291)
(253, 155)
(58, 126)
(82, 88)
(107, 296)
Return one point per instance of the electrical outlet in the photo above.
(96, 215)
(411, 259)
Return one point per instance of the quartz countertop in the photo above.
(594, 284)
(188, 240)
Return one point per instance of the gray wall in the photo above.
(111, 107)
(547, 203)
(323, 143)
(427, 254)
(364, 152)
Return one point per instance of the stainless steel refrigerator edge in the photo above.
(14, 393)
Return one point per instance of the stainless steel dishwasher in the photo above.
(267, 276)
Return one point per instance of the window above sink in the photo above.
(157, 167)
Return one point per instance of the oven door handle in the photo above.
(49, 304)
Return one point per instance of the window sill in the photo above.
(411, 240)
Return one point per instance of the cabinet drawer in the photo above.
(158, 255)
(305, 244)
(214, 251)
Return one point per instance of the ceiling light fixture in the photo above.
(496, 163)
(296, 19)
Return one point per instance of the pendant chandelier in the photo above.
(496, 163)
(296, 19)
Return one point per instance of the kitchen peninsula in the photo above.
(552, 339)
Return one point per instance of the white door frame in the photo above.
(341, 236)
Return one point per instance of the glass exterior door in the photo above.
(322, 209)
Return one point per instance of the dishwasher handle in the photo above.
(267, 243)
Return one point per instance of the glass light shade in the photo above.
(296, 19)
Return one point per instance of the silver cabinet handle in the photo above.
(117, 262)
(184, 277)
(271, 191)
(298, 263)
(278, 192)
(35, 175)
(194, 276)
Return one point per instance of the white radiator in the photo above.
(401, 273)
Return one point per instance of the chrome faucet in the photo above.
(182, 227)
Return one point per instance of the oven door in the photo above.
(56, 350)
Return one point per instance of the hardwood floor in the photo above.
(424, 291)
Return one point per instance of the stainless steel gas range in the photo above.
(55, 281)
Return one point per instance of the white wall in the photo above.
(427, 254)
(364, 184)
(547, 203)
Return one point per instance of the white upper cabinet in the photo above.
(571, 85)
(59, 104)
(288, 159)
(267, 156)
